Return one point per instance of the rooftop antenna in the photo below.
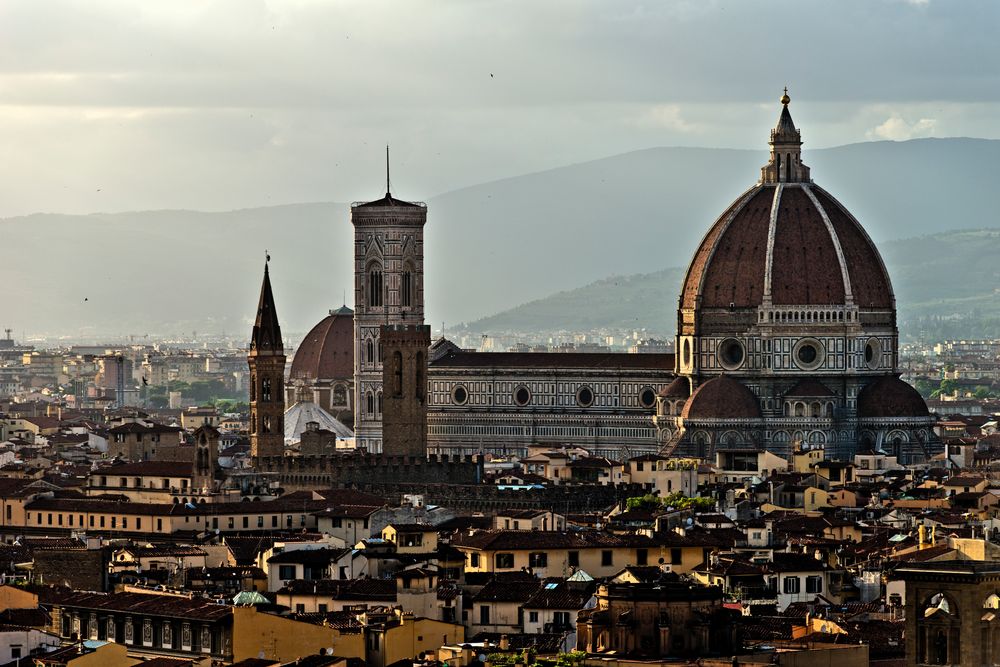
(387, 188)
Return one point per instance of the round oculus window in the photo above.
(873, 351)
(809, 354)
(731, 354)
(647, 397)
(585, 397)
(460, 395)
(522, 396)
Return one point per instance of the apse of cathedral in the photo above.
(786, 339)
(786, 330)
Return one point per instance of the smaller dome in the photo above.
(809, 388)
(679, 388)
(327, 351)
(721, 398)
(888, 397)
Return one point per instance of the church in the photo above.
(786, 337)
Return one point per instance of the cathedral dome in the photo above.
(327, 351)
(889, 397)
(721, 397)
(786, 241)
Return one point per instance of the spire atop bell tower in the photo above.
(266, 335)
(785, 165)
(266, 361)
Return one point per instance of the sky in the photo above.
(218, 105)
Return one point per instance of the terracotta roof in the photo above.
(721, 398)
(729, 266)
(366, 588)
(327, 351)
(491, 540)
(560, 597)
(604, 360)
(136, 427)
(155, 468)
(888, 396)
(313, 557)
(141, 604)
(497, 590)
(869, 281)
(804, 255)
(679, 388)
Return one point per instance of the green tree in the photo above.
(949, 386)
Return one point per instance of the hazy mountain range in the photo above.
(494, 246)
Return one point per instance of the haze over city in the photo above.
(475, 333)
(115, 106)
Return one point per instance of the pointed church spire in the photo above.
(266, 330)
(785, 165)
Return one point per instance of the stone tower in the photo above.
(404, 382)
(388, 290)
(206, 444)
(267, 373)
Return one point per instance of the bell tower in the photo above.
(267, 372)
(388, 290)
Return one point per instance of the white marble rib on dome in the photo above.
(303, 412)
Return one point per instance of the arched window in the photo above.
(375, 286)
(370, 357)
(407, 289)
(420, 388)
(378, 403)
(265, 390)
(370, 400)
(253, 387)
(265, 426)
(397, 367)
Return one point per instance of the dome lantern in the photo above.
(785, 165)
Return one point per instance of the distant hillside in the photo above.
(489, 247)
(935, 277)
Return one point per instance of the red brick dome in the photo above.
(816, 255)
(889, 397)
(721, 397)
(786, 241)
(679, 388)
(327, 351)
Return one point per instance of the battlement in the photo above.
(362, 468)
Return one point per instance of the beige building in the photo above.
(552, 554)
